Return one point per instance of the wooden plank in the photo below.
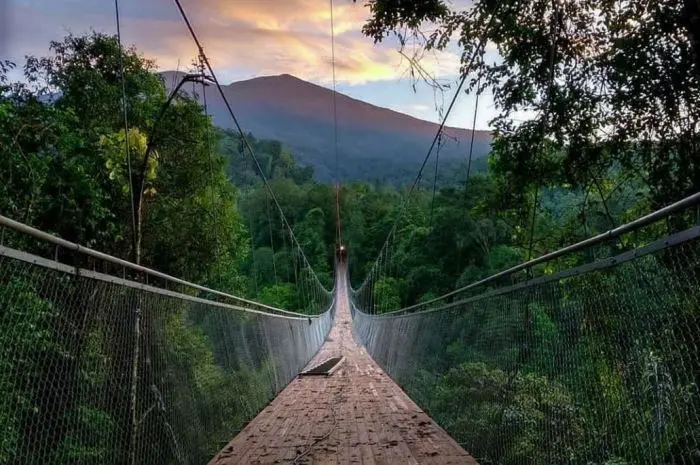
(358, 415)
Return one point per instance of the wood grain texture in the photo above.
(356, 416)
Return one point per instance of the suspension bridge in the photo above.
(521, 334)
(356, 415)
(112, 362)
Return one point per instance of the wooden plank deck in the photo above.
(358, 415)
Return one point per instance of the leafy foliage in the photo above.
(608, 85)
(116, 161)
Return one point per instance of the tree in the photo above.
(608, 84)
(84, 74)
(65, 170)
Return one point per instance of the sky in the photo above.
(248, 38)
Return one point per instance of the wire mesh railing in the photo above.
(552, 363)
(132, 366)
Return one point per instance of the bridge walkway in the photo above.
(357, 415)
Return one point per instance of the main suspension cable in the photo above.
(243, 136)
(545, 123)
(126, 129)
(335, 130)
(471, 142)
(210, 150)
(435, 177)
(467, 70)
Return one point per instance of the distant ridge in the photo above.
(372, 139)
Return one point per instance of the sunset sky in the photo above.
(249, 38)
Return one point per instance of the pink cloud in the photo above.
(242, 38)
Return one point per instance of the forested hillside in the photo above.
(375, 144)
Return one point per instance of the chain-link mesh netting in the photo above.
(599, 364)
(96, 369)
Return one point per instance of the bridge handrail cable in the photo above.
(63, 243)
(646, 220)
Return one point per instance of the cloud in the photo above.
(287, 15)
(242, 38)
(271, 51)
(294, 37)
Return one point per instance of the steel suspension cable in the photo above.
(335, 130)
(548, 107)
(435, 176)
(471, 142)
(136, 354)
(127, 150)
(467, 70)
(211, 154)
(244, 138)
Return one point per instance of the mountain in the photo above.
(374, 143)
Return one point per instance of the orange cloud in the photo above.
(291, 37)
(302, 15)
(243, 38)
